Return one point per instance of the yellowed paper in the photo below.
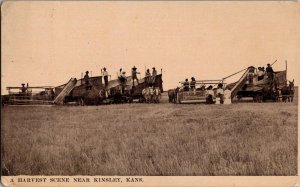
(241, 144)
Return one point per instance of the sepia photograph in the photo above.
(148, 88)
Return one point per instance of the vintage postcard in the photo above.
(150, 93)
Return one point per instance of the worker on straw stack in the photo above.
(154, 73)
(105, 76)
(123, 80)
(147, 76)
(270, 72)
(86, 79)
(134, 75)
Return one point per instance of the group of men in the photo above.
(189, 85)
(148, 78)
(210, 94)
(261, 73)
(222, 96)
(269, 71)
(122, 76)
(86, 78)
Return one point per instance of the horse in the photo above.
(148, 94)
(292, 90)
(156, 95)
(269, 92)
(172, 94)
(288, 92)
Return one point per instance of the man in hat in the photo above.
(220, 93)
(134, 75)
(154, 73)
(105, 76)
(123, 80)
(209, 95)
(147, 76)
(193, 83)
(23, 89)
(260, 73)
(123, 77)
(86, 79)
(270, 72)
(186, 85)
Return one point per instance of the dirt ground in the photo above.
(151, 139)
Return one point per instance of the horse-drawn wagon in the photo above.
(199, 92)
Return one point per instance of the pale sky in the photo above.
(47, 43)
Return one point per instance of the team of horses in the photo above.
(151, 94)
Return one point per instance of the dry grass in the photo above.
(154, 139)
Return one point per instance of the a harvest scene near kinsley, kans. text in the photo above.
(147, 92)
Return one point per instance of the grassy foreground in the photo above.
(151, 139)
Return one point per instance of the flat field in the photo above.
(151, 139)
